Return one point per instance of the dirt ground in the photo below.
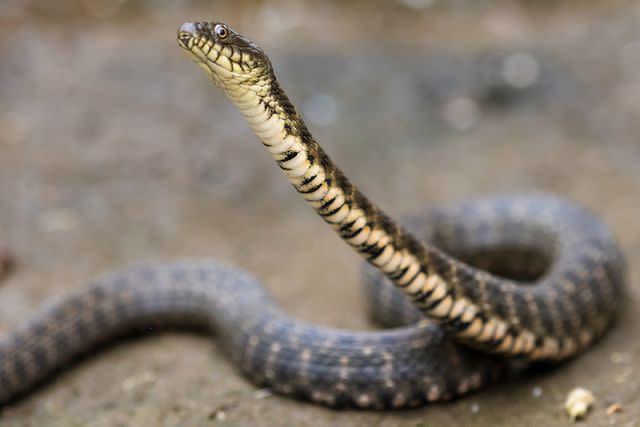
(114, 149)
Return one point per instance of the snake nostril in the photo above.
(183, 39)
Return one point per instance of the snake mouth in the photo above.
(225, 56)
(187, 33)
(184, 39)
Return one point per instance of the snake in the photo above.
(464, 291)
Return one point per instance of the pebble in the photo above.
(536, 392)
(520, 70)
(263, 393)
(578, 403)
(133, 382)
(619, 358)
(614, 408)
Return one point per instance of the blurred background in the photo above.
(115, 149)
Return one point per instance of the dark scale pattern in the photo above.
(547, 225)
(406, 366)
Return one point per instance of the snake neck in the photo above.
(313, 174)
(416, 268)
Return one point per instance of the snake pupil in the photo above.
(221, 31)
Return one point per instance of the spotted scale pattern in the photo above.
(402, 367)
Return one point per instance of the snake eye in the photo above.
(221, 31)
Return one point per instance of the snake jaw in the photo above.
(227, 57)
(185, 39)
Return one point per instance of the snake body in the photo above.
(534, 277)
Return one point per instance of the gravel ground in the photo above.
(115, 150)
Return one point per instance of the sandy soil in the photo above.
(114, 150)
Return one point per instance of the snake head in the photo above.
(226, 56)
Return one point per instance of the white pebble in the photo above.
(578, 403)
(521, 70)
(263, 393)
(536, 392)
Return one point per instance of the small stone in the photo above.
(475, 408)
(624, 375)
(578, 403)
(133, 382)
(618, 358)
(614, 408)
(220, 413)
(263, 393)
(521, 70)
(536, 392)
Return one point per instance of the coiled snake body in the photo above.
(551, 280)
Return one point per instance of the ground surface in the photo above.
(114, 150)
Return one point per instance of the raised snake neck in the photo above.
(476, 307)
